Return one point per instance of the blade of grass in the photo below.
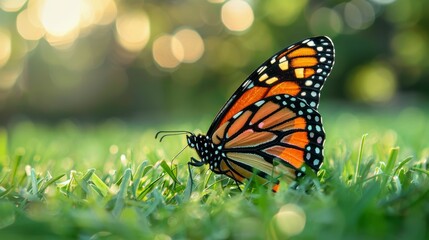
(389, 169)
(6, 192)
(401, 164)
(120, 197)
(101, 186)
(362, 143)
(33, 179)
(392, 160)
(3, 147)
(188, 190)
(149, 188)
(366, 168)
(18, 158)
(420, 170)
(168, 170)
(88, 174)
(83, 182)
(136, 178)
(48, 183)
(72, 183)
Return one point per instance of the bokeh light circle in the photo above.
(237, 15)
(290, 220)
(192, 43)
(167, 51)
(133, 30)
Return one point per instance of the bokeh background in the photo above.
(166, 59)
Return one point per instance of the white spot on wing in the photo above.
(308, 83)
(261, 69)
(259, 103)
(237, 115)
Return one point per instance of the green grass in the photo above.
(113, 180)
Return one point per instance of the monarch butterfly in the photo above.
(271, 118)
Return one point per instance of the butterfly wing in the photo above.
(299, 70)
(281, 128)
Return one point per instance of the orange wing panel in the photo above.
(286, 87)
(264, 111)
(308, 72)
(293, 156)
(249, 97)
(239, 123)
(303, 62)
(298, 123)
(300, 52)
(220, 132)
(276, 118)
(250, 138)
(298, 139)
(287, 52)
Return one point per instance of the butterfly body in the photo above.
(270, 127)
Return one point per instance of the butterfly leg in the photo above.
(195, 163)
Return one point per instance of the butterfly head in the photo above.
(207, 151)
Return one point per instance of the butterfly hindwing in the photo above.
(299, 70)
(280, 128)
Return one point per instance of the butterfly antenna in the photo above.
(179, 153)
(163, 134)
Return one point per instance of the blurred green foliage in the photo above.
(167, 58)
(114, 181)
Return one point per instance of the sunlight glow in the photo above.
(61, 17)
(107, 10)
(12, 5)
(61, 22)
(133, 31)
(216, 1)
(192, 43)
(27, 28)
(167, 51)
(237, 15)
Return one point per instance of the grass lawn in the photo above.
(113, 180)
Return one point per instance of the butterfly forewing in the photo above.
(299, 70)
